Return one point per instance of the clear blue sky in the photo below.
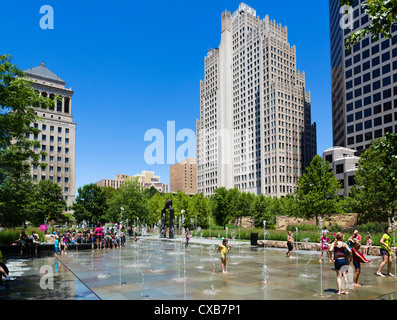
(134, 65)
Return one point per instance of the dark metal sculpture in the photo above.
(168, 205)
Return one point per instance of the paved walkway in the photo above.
(162, 269)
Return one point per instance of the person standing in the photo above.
(224, 250)
(338, 247)
(324, 246)
(187, 239)
(290, 241)
(98, 235)
(358, 258)
(386, 253)
(56, 245)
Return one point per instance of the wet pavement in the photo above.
(162, 269)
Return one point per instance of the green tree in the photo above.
(317, 191)
(46, 202)
(382, 15)
(17, 154)
(376, 190)
(150, 192)
(90, 204)
(129, 197)
(221, 208)
(199, 209)
(243, 205)
(261, 210)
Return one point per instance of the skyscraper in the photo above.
(255, 131)
(364, 81)
(58, 132)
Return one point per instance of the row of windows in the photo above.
(368, 136)
(375, 73)
(52, 128)
(44, 138)
(375, 97)
(358, 115)
(51, 168)
(59, 159)
(59, 180)
(378, 108)
(368, 123)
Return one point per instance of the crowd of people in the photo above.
(99, 238)
(28, 243)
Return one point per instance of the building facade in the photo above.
(183, 177)
(58, 132)
(344, 164)
(255, 131)
(146, 179)
(364, 81)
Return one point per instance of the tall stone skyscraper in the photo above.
(58, 132)
(255, 131)
(364, 80)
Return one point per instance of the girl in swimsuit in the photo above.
(338, 247)
(224, 250)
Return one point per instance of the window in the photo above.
(375, 73)
(339, 168)
(386, 56)
(375, 61)
(368, 124)
(388, 118)
(376, 85)
(350, 179)
(367, 100)
(377, 109)
(378, 121)
(386, 69)
(328, 158)
(375, 49)
(368, 136)
(367, 112)
(359, 126)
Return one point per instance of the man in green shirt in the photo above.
(386, 253)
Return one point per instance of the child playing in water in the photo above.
(358, 257)
(324, 245)
(187, 239)
(56, 246)
(290, 240)
(368, 244)
(224, 250)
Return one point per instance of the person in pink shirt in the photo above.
(354, 238)
(98, 235)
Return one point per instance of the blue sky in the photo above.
(134, 65)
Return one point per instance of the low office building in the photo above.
(344, 163)
(183, 177)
